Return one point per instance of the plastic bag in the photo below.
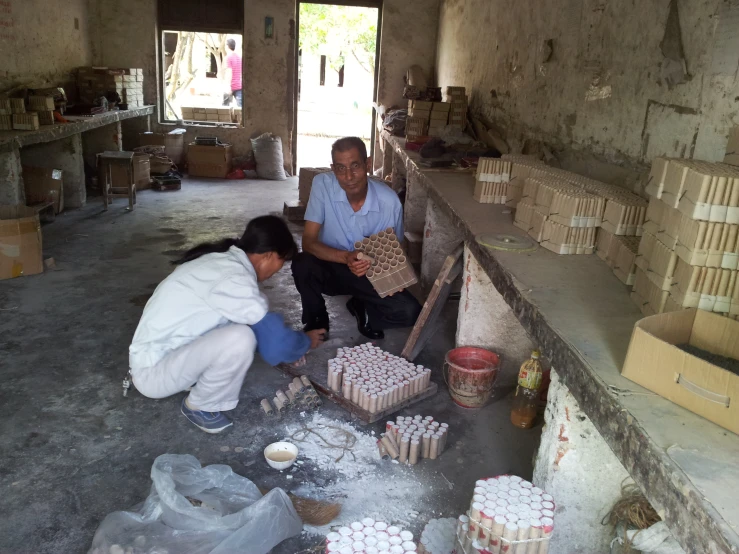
(656, 539)
(268, 155)
(231, 514)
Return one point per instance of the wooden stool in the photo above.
(107, 161)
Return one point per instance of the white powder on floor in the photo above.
(363, 484)
(320, 440)
(440, 536)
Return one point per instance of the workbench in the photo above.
(65, 146)
(581, 317)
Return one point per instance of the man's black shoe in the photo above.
(356, 308)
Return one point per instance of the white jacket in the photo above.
(197, 297)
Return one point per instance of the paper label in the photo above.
(530, 379)
(718, 213)
(732, 214)
(730, 261)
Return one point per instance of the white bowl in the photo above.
(275, 452)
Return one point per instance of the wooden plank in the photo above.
(423, 329)
(321, 386)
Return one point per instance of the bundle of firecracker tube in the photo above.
(507, 515)
(370, 537)
(410, 439)
(373, 379)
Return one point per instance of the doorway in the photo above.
(337, 65)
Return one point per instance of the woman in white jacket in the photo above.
(204, 322)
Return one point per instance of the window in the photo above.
(201, 61)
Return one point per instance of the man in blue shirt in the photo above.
(346, 206)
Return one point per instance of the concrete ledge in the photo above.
(10, 140)
(592, 312)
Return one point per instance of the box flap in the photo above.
(716, 334)
(670, 327)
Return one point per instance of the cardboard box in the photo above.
(45, 117)
(417, 112)
(174, 145)
(654, 362)
(305, 181)
(5, 108)
(646, 295)
(142, 171)
(26, 121)
(41, 103)
(6, 122)
(294, 210)
(44, 185)
(20, 234)
(17, 105)
(209, 161)
(420, 104)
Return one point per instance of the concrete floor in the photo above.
(74, 449)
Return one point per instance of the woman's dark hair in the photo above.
(267, 233)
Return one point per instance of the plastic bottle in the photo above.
(526, 401)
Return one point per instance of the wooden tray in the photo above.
(317, 374)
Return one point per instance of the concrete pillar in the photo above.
(387, 158)
(103, 139)
(64, 154)
(398, 171)
(11, 178)
(575, 465)
(416, 199)
(440, 238)
(485, 320)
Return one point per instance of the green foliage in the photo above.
(339, 31)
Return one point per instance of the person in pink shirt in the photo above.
(233, 73)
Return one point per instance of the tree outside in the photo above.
(194, 69)
(338, 32)
(337, 70)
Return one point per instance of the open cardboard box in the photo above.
(20, 242)
(656, 363)
(209, 161)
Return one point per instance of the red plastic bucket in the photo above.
(470, 374)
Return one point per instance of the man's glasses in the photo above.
(356, 168)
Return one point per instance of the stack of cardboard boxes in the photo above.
(94, 82)
(426, 118)
(44, 107)
(13, 115)
(457, 99)
(560, 216)
(689, 254)
(561, 210)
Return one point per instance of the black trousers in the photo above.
(314, 278)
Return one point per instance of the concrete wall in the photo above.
(603, 95)
(124, 34)
(41, 41)
(408, 38)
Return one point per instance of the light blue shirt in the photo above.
(341, 226)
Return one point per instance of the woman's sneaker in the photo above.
(210, 422)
